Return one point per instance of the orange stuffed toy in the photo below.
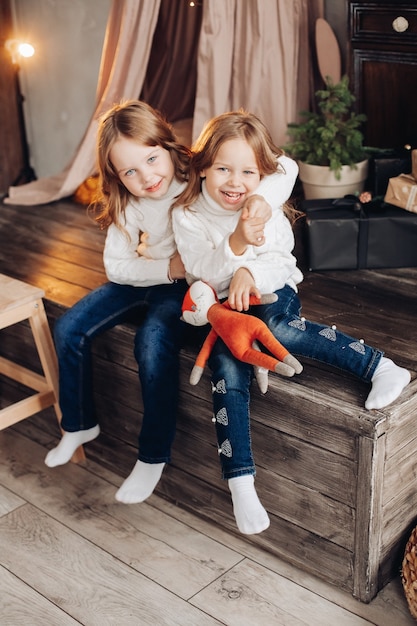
(239, 332)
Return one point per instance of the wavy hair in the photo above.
(140, 122)
(232, 125)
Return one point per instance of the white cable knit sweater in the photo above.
(202, 236)
(122, 262)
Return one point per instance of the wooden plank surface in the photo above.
(20, 604)
(152, 545)
(305, 430)
(8, 501)
(60, 560)
(51, 558)
(278, 601)
(56, 247)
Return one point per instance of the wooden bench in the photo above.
(339, 482)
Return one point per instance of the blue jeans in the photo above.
(231, 379)
(158, 340)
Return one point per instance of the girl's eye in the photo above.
(130, 172)
(152, 159)
(223, 169)
(248, 172)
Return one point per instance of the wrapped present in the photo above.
(345, 234)
(402, 192)
(385, 164)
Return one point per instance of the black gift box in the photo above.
(345, 234)
(386, 164)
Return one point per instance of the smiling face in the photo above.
(145, 171)
(234, 174)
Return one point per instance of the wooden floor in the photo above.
(69, 553)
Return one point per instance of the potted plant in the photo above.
(328, 144)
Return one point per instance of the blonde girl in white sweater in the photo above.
(233, 158)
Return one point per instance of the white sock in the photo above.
(388, 382)
(140, 483)
(251, 517)
(68, 445)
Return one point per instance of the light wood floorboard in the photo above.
(69, 553)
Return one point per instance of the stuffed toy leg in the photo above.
(242, 334)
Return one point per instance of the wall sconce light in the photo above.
(16, 50)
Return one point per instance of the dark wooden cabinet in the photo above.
(382, 65)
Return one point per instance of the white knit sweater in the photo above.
(122, 262)
(202, 236)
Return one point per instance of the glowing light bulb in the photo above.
(26, 50)
(17, 48)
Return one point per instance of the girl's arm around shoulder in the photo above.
(289, 165)
(277, 188)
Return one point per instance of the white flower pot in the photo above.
(319, 182)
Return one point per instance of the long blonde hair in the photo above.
(138, 121)
(232, 125)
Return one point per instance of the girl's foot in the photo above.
(140, 483)
(68, 445)
(251, 517)
(388, 382)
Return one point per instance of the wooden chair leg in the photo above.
(46, 350)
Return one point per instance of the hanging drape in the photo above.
(129, 35)
(251, 53)
(171, 75)
(256, 55)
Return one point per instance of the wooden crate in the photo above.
(338, 481)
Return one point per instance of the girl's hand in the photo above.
(176, 267)
(256, 206)
(250, 228)
(142, 248)
(242, 286)
(249, 231)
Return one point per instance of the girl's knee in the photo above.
(156, 351)
(63, 328)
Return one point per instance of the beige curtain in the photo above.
(256, 54)
(129, 34)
